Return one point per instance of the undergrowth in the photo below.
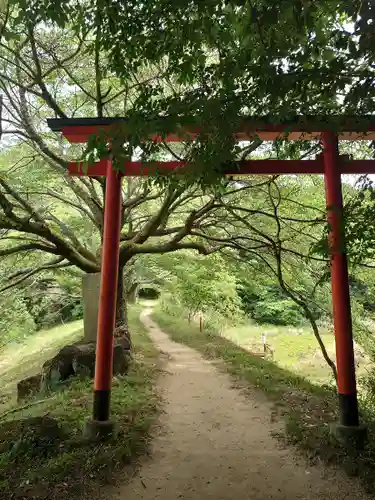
(64, 465)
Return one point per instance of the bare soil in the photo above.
(216, 443)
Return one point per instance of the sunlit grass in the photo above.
(294, 348)
(21, 360)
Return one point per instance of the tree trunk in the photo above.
(122, 325)
(132, 294)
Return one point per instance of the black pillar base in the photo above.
(348, 407)
(97, 430)
(101, 405)
(352, 437)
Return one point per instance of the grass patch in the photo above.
(68, 467)
(306, 408)
(24, 359)
(294, 348)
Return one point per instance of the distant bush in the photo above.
(52, 309)
(15, 323)
(269, 305)
(76, 312)
(281, 312)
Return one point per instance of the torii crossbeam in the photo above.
(329, 130)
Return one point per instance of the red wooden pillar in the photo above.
(108, 295)
(340, 285)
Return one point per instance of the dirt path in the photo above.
(217, 444)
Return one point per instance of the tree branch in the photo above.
(27, 247)
(55, 264)
(39, 77)
(98, 73)
(293, 295)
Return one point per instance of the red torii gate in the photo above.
(328, 163)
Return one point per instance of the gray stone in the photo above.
(351, 437)
(59, 368)
(84, 360)
(79, 360)
(91, 294)
(95, 430)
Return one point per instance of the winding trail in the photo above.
(215, 443)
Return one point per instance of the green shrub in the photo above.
(281, 312)
(268, 304)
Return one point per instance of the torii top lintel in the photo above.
(352, 128)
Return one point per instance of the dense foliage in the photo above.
(210, 63)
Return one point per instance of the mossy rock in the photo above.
(78, 360)
(29, 387)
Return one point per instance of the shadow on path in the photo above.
(217, 444)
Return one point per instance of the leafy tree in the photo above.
(16, 323)
(190, 65)
(218, 62)
(293, 42)
(265, 303)
(204, 285)
(47, 71)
